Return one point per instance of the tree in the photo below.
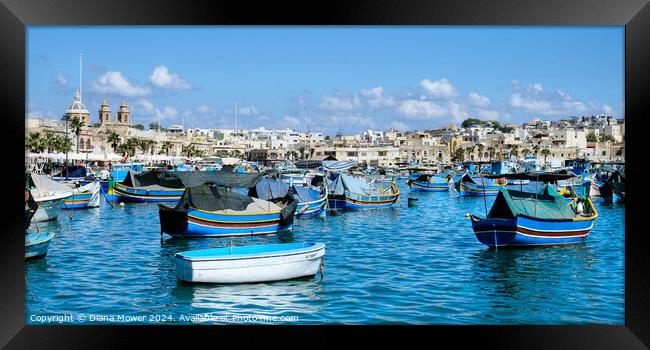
(605, 138)
(491, 152)
(34, 142)
(49, 142)
(459, 154)
(469, 122)
(545, 152)
(114, 140)
(480, 147)
(525, 151)
(76, 125)
(138, 126)
(222, 153)
(165, 147)
(154, 126)
(591, 137)
(311, 152)
(301, 150)
(62, 144)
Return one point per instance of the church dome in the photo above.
(77, 107)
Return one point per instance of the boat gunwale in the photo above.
(291, 252)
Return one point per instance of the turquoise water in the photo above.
(420, 265)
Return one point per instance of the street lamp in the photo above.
(66, 118)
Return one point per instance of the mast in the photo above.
(235, 116)
(81, 58)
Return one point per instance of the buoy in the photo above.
(121, 204)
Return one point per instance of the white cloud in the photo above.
(376, 98)
(61, 79)
(417, 109)
(529, 104)
(439, 89)
(607, 109)
(351, 121)
(340, 103)
(291, 120)
(149, 108)
(205, 109)
(163, 79)
(478, 100)
(248, 110)
(485, 114)
(398, 126)
(115, 83)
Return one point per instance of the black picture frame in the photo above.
(15, 15)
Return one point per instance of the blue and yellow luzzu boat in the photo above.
(152, 186)
(520, 219)
(430, 183)
(479, 186)
(311, 200)
(347, 192)
(86, 196)
(210, 211)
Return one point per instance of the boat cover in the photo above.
(72, 171)
(342, 182)
(269, 189)
(211, 198)
(546, 204)
(184, 179)
(336, 165)
(43, 186)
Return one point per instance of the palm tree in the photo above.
(114, 140)
(165, 147)
(301, 150)
(491, 152)
(49, 142)
(143, 145)
(222, 153)
(62, 144)
(76, 125)
(468, 151)
(311, 152)
(481, 147)
(545, 152)
(34, 142)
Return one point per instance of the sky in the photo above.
(328, 79)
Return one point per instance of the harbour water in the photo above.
(418, 265)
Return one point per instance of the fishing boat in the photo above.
(49, 195)
(151, 186)
(250, 264)
(519, 219)
(70, 173)
(214, 210)
(347, 192)
(473, 185)
(37, 244)
(430, 183)
(86, 196)
(613, 188)
(311, 199)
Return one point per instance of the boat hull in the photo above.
(37, 244)
(48, 210)
(275, 267)
(88, 199)
(351, 202)
(524, 231)
(469, 189)
(131, 194)
(419, 186)
(311, 209)
(212, 224)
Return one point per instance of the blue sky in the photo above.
(340, 79)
